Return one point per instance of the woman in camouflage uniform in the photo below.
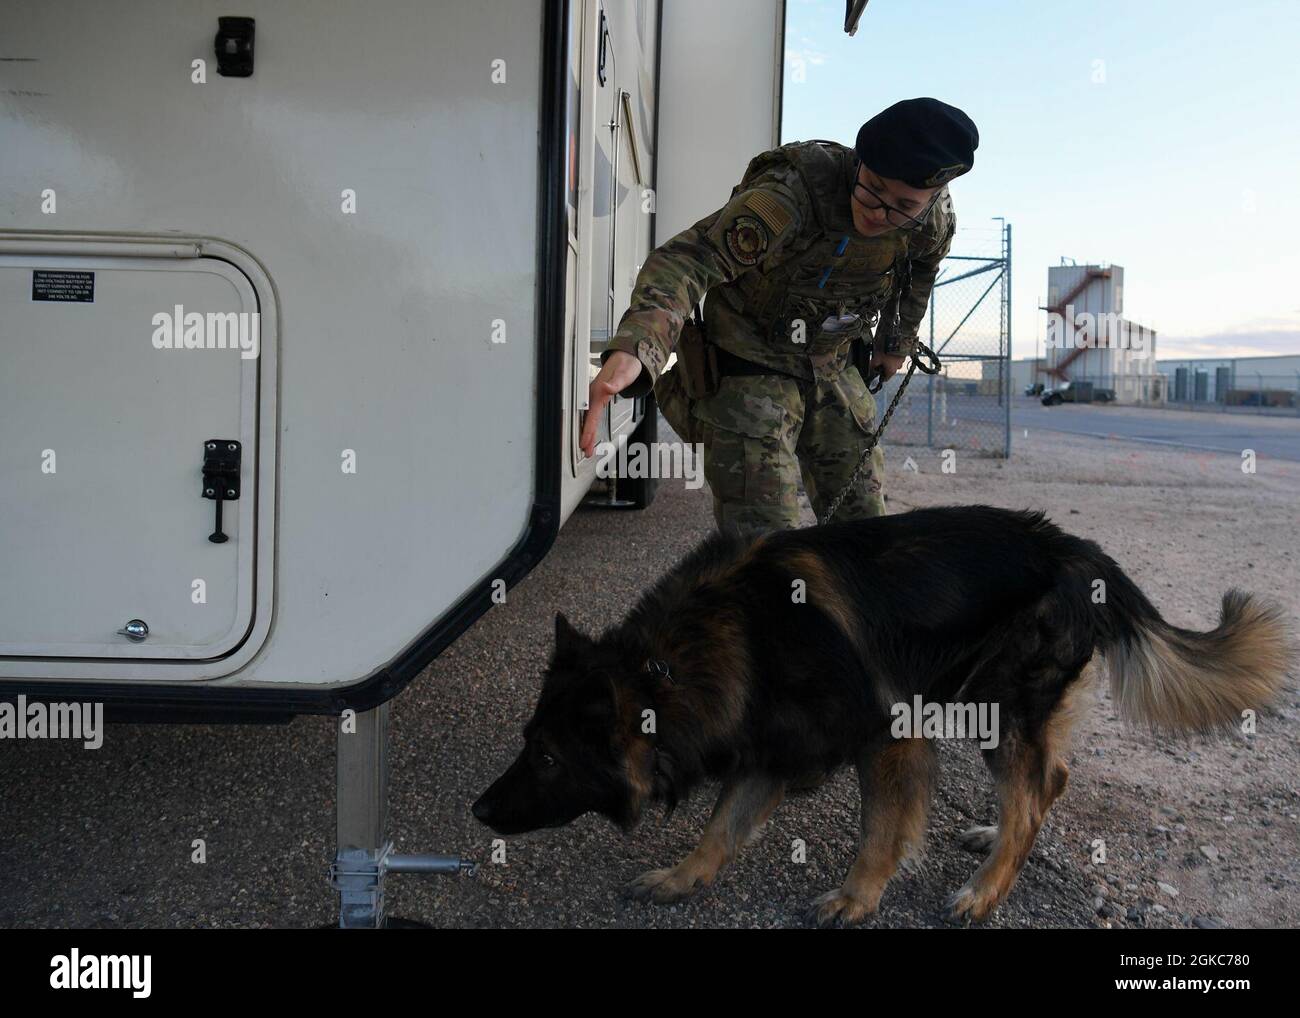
(816, 242)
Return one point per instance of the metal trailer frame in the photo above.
(365, 854)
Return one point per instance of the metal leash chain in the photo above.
(929, 369)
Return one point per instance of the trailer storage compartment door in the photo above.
(117, 372)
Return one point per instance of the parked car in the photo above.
(1077, 392)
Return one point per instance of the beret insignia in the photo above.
(746, 240)
(940, 177)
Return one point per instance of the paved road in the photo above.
(1278, 437)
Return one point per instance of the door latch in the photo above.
(604, 50)
(221, 457)
(234, 47)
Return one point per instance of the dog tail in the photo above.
(1179, 679)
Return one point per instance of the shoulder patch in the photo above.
(769, 210)
(746, 240)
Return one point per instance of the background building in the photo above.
(1234, 381)
(1088, 339)
(1026, 372)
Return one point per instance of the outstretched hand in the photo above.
(616, 374)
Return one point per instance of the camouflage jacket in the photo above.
(777, 261)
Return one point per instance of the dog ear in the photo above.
(568, 641)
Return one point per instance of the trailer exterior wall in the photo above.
(386, 316)
(719, 96)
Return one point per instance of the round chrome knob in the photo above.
(136, 629)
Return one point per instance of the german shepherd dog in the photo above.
(724, 671)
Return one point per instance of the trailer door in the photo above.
(112, 395)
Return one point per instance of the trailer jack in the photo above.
(365, 856)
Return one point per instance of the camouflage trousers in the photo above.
(763, 433)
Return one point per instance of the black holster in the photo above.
(862, 355)
(697, 359)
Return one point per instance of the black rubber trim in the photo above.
(654, 158)
(780, 79)
(196, 703)
(646, 403)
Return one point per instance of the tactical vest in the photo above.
(829, 269)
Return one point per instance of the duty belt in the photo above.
(730, 364)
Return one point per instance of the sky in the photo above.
(1158, 135)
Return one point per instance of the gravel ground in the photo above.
(1197, 832)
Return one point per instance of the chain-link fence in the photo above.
(966, 406)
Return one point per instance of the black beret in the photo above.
(922, 142)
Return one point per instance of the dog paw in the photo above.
(978, 839)
(663, 886)
(837, 908)
(971, 904)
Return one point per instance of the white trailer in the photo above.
(298, 311)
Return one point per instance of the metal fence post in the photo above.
(1006, 354)
(929, 419)
(973, 343)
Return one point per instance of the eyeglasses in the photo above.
(895, 217)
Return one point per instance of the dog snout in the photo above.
(482, 809)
